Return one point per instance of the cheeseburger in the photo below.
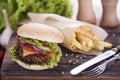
(37, 47)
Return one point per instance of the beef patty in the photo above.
(32, 58)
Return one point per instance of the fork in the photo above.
(100, 68)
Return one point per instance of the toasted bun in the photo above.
(31, 67)
(40, 32)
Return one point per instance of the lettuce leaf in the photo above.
(17, 9)
(2, 22)
(38, 43)
(13, 52)
(54, 62)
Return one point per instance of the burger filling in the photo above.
(33, 51)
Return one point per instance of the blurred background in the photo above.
(97, 6)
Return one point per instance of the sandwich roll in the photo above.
(36, 46)
(78, 36)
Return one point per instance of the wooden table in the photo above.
(11, 71)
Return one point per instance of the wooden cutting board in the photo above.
(11, 71)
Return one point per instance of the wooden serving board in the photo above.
(11, 71)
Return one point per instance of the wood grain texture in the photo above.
(11, 71)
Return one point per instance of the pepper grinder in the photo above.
(109, 16)
(86, 12)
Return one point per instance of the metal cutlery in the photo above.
(95, 60)
(100, 68)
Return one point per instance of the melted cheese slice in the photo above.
(26, 52)
(52, 54)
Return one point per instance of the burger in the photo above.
(36, 46)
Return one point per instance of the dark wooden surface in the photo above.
(11, 71)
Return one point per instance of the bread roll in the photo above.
(40, 32)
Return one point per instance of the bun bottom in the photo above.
(31, 67)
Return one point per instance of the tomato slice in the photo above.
(49, 47)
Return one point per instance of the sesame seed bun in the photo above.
(40, 32)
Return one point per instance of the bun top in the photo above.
(40, 32)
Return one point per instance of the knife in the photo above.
(95, 60)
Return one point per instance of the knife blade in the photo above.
(93, 61)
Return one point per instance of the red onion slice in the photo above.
(38, 50)
(32, 47)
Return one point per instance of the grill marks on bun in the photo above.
(41, 32)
